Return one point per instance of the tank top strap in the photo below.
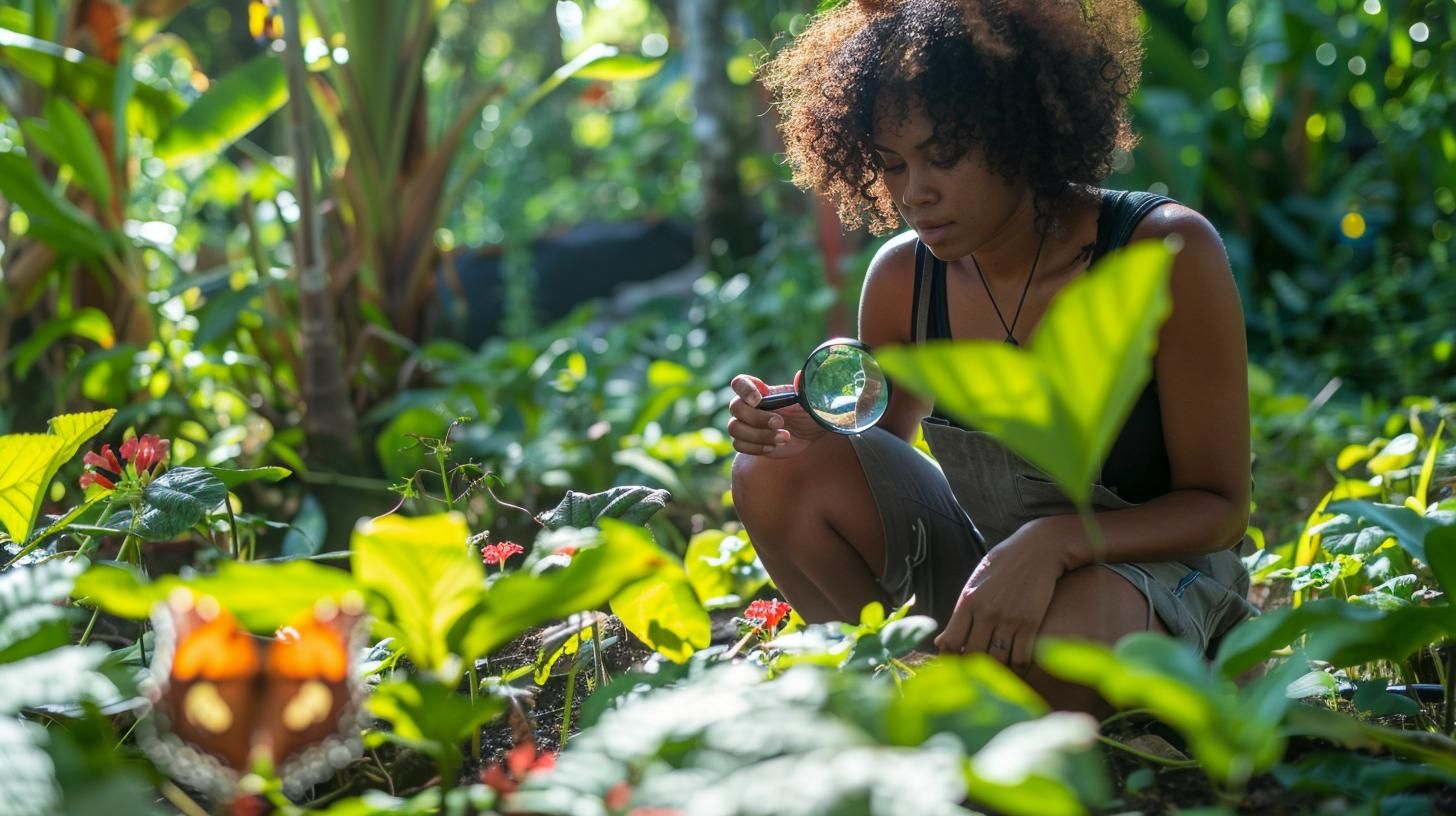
(924, 288)
(1122, 211)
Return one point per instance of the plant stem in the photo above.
(1157, 760)
(566, 712)
(1447, 714)
(1094, 533)
(597, 648)
(86, 635)
(474, 732)
(445, 482)
(233, 527)
(1122, 715)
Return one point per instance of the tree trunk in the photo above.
(329, 421)
(726, 228)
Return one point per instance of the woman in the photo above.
(987, 127)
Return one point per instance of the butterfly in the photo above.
(226, 703)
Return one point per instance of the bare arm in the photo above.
(884, 319)
(1202, 374)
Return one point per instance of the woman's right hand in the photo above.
(776, 434)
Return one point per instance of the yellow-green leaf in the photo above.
(621, 67)
(1398, 454)
(663, 612)
(28, 462)
(423, 570)
(1060, 401)
(1351, 456)
(233, 106)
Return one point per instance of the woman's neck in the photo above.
(1008, 256)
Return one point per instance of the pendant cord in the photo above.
(1010, 330)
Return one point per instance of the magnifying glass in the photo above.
(844, 389)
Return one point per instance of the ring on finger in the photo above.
(1000, 644)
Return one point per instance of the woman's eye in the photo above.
(946, 162)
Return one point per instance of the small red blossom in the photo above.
(766, 614)
(522, 761)
(145, 452)
(102, 468)
(618, 796)
(498, 553)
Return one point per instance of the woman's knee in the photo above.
(1095, 603)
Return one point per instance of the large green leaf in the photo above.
(595, 575)
(226, 112)
(632, 503)
(31, 620)
(1176, 685)
(972, 698)
(81, 151)
(172, 503)
(1405, 525)
(28, 786)
(86, 81)
(89, 323)
(28, 462)
(1335, 630)
(423, 570)
(53, 219)
(262, 597)
(1035, 768)
(723, 569)
(1059, 402)
(622, 67)
(232, 477)
(664, 613)
(431, 717)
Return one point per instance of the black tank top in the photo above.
(1137, 467)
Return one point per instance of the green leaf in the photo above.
(972, 697)
(595, 575)
(1335, 630)
(902, 636)
(1174, 682)
(58, 677)
(424, 572)
(1405, 525)
(28, 463)
(664, 613)
(81, 151)
(1360, 778)
(31, 621)
(1023, 768)
(85, 80)
(28, 786)
(633, 503)
(622, 67)
(226, 112)
(53, 219)
(1372, 698)
(232, 477)
(431, 717)
(306, 534)
(261, 596)
(1059, 402)
(88, 323)
(1399, 453)
(1440, 548)
(723, 569)
(172, 503)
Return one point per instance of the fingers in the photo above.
(953, 639)
(753, 431)
(1021, 645)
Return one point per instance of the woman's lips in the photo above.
(932, 234)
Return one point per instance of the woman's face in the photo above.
(955, 203)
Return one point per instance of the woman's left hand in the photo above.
(1005, 600)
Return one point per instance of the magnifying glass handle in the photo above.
(777, 401)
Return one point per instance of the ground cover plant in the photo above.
(508, 577)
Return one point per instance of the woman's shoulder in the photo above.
(889, 289)
(1192, 229)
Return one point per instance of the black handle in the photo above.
(777, 401)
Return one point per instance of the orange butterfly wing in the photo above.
(307, 719)
(205, 675)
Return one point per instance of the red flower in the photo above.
(521, 761)
(766, 614)
(498, 553)
(102, 468)
(145, 452)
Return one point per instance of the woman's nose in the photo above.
(920, 190)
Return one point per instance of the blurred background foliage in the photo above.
(479, 171)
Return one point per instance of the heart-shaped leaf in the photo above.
(633, 503)
(423, 570)
(663, 612)
(172, 503)
(1059, 402)
(28, 463)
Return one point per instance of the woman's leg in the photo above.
(1090, 603)
(813, 521)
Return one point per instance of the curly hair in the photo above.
(1040, 86)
